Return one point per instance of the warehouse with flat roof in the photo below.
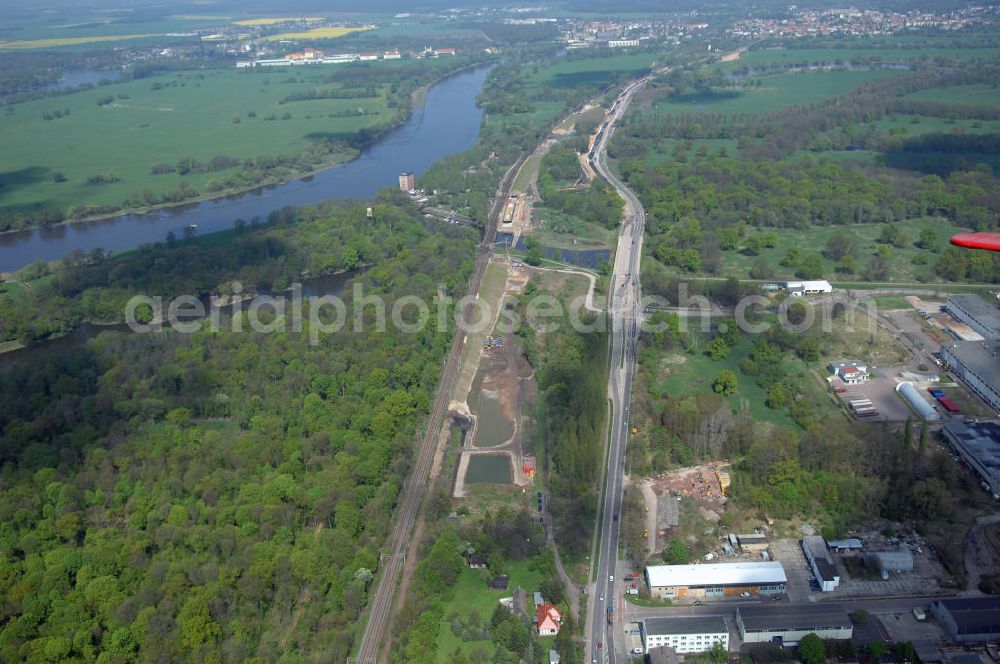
(716, 580)
(821, 562)
(685, 633)
(788, 624)
(969, 620)
(978, 443)
(979, 314)
(977, 364)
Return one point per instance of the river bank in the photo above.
(447, 123)
(341, 155)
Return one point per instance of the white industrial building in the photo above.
(788, 624)
(977, 364)
(821, 563)
(716, 580)
(799, 288)
(979, 314)
(685, 633)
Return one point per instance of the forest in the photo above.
(215, 496)
(780, 180)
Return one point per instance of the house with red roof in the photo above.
(548, 619)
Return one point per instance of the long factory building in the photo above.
(716, 580)
(788, 624)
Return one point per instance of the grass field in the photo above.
(975, 95)
(471, 594)
(192, 114)
(902, 267)
(598, 71)
(776, 91)
(316, 33)
(681, 374)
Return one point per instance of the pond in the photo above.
(489, 469)
(493, 428)
(591, 258)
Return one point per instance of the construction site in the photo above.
(704, 486)
(494, 397)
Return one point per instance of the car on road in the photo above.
(602, 597)
(611, 578)
(698, 602)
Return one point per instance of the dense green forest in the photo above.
(291, 245)
(598, 203)
(215, 496)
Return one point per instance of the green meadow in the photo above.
(972, 95)
(814, 239)
(163, 119)
(776, 91)
(600, 71)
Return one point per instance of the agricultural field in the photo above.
(126, 128)
(69, 27)
(56, 42)
(255, 22)
(315, 33)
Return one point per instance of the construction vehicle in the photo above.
(635, 430)
(723, 481)
(645, 533)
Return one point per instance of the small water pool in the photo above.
(493, 428)
(489, 469)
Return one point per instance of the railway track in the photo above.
(380, 608)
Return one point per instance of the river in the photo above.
(448, 123)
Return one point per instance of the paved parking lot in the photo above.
(882, 391)
(789, 553)
(925, 635)
(921, 581)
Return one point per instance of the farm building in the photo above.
(821, 563)
(979, 314)
(788, 624)
(978, 443)
(685, 633)
(970, 619)
(718, 580)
